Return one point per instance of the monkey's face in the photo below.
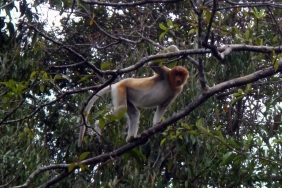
(179, 75)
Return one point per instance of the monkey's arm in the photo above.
(161, 110)
(160, 70)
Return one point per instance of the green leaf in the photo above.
(61, 77)
(180, 136)
(97, 114)
(41, 88)
(248, 88)
(102, 123)
(44, 74)
(185, 125)
(237, 94)
(275, 38)
(203, 7)
(208, 15)
(106, 66)
(199, 122)
(169, 165)
(258, 57)
(32, 74)
(219, 128)
(262, 14)
(237, 99)
(83, 167)
(162, 36)
(276, 65)
(71, 167)
(277, 140)
(255, 12)
(67, 3)
(250, 138)
(83, 155)
(27, 130)
(192, 31)
(162, 27)
(85, 138)
(220, 138)
(87, 77)
(172, 64)
(163, 141)
(169, 24)
(226, 158)
(259, 42)
(202, 129)
(21, 135)
(239, 37)
(111, 117)
(232, 143)
(121, 114)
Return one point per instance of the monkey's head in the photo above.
(178, 76)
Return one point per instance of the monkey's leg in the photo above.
(133, 121)
(161, 110)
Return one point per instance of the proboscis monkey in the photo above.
(158, 91)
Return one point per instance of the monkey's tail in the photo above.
(87, 110)
(95, 97)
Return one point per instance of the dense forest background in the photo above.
(223, 130)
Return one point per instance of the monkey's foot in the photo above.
(131, 139)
